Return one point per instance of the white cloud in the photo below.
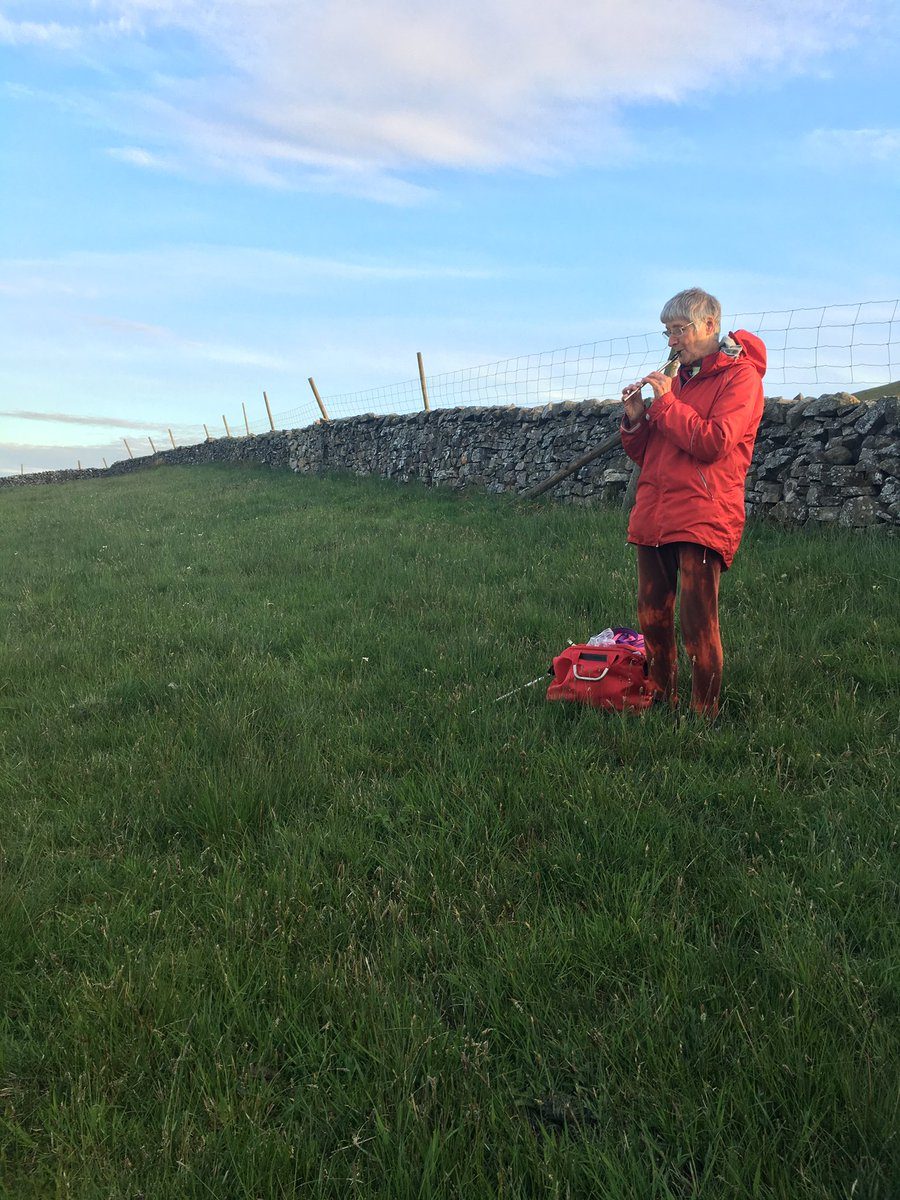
(94, 421)
(139, 158)
(347, 94)
(35, 33)
(843, 147)
(135, 332)
(195, 270)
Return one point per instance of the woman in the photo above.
(693, 444)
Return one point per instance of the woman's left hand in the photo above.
(659, 382)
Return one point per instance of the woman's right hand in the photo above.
(634, 405)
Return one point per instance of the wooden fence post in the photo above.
(422, 380)
(206, 431)
(150, 440)
(246, 422)
(315, 390)
(172, 440)
(225, 423)
(105, 467)
(78, 460)
(269, 411)
(127, 447)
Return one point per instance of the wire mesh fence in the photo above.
(844, 347)
(832, 348)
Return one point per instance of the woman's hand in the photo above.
(660, 383)
(633, 403)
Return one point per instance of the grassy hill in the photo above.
(877, 393)
(282, 916)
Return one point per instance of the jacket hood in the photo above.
(748, 343)
(732, 347)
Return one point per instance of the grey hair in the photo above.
(693, 304)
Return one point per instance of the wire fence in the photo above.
(834, 347)
(838, 347)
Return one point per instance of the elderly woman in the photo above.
(693, 444)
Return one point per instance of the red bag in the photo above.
(602, 676)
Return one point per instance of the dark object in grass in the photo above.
(560, 1114)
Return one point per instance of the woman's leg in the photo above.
(657, 583)
(699, 615)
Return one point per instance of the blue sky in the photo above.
(203, 199)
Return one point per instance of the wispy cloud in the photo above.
(36, 33)
(137, 157)
(94, 421)
(842, 147)
(196, 268)
(385, 88)
(215, 352)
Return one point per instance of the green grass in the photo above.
(280, 916)
(879, 392)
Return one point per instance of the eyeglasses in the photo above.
(676, 331)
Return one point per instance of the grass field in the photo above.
(280, 916)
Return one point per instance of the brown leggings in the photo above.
(700, 568)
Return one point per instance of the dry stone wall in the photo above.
(826, 460)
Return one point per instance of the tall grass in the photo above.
(282, 916)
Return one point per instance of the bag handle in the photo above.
(589, 678)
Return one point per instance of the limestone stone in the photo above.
(871, 420)
(794, 413)
(790, 512)
(881, 441)
(819, 494)
(837, 453)
(775, 461)
(775, 410)
(858, 511)
(829, 405)
(890, 492)
(768, 493)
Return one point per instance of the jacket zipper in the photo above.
(705, 484)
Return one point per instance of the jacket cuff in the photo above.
(661, 406)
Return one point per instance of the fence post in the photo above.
(422, 379)
(172, 440)
(269, 411)
(225, 423)
(150, 440)
(206, 431)
(246, 422)
(105, 467)
(315, 390)
(78, 460)
(127, 447)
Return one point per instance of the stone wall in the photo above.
(832, 459)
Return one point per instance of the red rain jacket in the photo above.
(694, 448)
